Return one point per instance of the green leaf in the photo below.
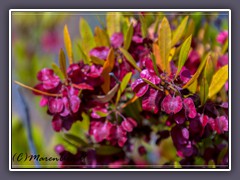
(107, 150)
(108, 96)
(96, 60)
(179, 31)
(204, 90)
(155, 64)
(198, 72)
(68, 44)
(84, 55)
(167, 149)
(128, 37)
(87, 37)
(184, 54)
(209, 70)
(211, 164)
(222, 154)
(164, 42)
(62, 63)
(143, 26)
(130, 59)
(193, 87)
(113, 21)
(58, 71)
(101, 114)
(218, 80)
(123, 85)
(225, 47)
(177, 164)
(75, 140)
(101, 37)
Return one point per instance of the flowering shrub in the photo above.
(148, 91)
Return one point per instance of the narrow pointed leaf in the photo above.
(151, 84)
(193, 87)
(155, 65)
(218, 80)
(96, 60)
(209, 70)
(87, 37)
(107, 68)
(130, 59)
(225, 47)
(198, 72)
(128, 37)
(123, 85)
(108, 96)
(179, 31)
(85, 57)
(171, 54)
(164, 42)
(143, 26)
(156, 53)
(184, 54)
(204, 90)
(62, 63)
(101, 37)
(68, 44)
(113, 21)
(73, 139)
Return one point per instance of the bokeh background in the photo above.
(36, 40)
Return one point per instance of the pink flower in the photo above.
(172, 104)
(222, 37)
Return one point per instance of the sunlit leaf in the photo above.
(101, 37)
(209, 70)
(218, 80)
(225, 47)
(164, 42)
(96, 60)
(167, 149)
(193, 87)
(156, 53)
(128, 37)
(123, 85)
(87, 37)
(68, 44)
(84, 55)
(130, 59)
(113, 21)
(62, 63)
(198, 72)
(108, 96)
(211, 164)
(172, 53)
(184, 54)
(107, 68)
(143, 26)
(203, 90)
(179, 31)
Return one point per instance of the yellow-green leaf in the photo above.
(107, 68)
(101, 37)
(107, 150)
(113, 21)
(96, 60)
(164, 42)
(184, 54)
(155, 64)
(58, 71)
(84, 55)
(143, 26)
(225, 47)
(128, 37)
(198, 72)
(87, 37)
(68, 44)
(151, 84)
(179, 31)
(193, 87)
(172, 53)
(123, 85)
(130, 59)
(209, 70)
(62, 63)
(218, 80)
(203, 90)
